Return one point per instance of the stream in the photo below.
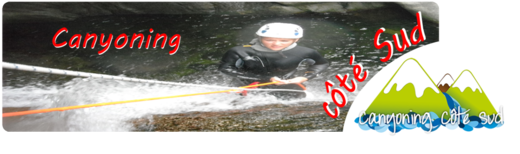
(205, 38)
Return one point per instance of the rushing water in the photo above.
(205, 38)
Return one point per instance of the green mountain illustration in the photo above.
(473, 96)
(410, 89)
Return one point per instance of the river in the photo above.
(205, 38)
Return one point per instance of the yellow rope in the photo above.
(121, 102)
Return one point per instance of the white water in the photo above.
(80, 91)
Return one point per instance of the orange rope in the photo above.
(303, 87)
(121, 102)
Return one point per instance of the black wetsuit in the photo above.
(247, 65)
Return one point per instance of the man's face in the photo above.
(277, 44)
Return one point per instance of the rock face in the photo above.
(293, 2)
(365, 6)
(34, 12)
(429, 10)
(327, 7)
(284, 9)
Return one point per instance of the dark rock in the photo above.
(294, 2)
(34, 12)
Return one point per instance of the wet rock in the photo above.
(429, 10)
(359, 6)
(168, 8)
(307, 116)
(51, 12)
(326, 8)
(286, 10)
(31, 12)
(243, 8)
(14, 109)
(295, 2)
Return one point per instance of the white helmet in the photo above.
(280, 30)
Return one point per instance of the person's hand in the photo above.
(297, 80)
(278, 81)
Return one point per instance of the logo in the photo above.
(411, 100)
(459, 90)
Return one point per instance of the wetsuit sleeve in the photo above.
(318, 67)
(228, 67)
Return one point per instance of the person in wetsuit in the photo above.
(274, 56)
